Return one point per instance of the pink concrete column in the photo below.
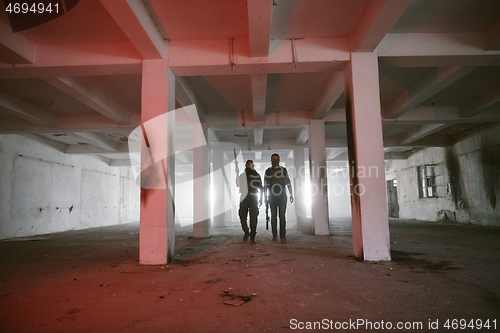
(370, 224)
(317, 167)
(157, 223)
(201, 183)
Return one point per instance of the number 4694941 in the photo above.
(462, 324)
(24, 8)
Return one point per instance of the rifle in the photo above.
(267, 209)
(267, 215)
(236, 161)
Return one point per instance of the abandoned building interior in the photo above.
(133, 114)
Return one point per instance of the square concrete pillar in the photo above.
(370, 224)
(219, 186)
(299, 190)
(157, 221)
(231, 196)
(318, 172)
(201, 182)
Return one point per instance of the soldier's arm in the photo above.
(289, 186)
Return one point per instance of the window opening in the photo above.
(427, 181)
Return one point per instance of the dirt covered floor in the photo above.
(90, 281)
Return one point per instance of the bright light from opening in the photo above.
(307, 195)
(212, 200)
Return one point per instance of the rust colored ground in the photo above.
(90, 281)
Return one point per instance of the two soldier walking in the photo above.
(252, 191)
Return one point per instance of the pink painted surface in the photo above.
(153, 235)
(370, 222)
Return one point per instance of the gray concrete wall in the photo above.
(468, 181)
(339, 197)
(43, 190)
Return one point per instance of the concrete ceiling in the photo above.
(260, 69)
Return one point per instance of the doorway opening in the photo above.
(392, 198)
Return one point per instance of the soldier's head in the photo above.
(275, 159)
(249, 164)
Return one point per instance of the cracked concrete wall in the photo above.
(44, 191)
(468, 181)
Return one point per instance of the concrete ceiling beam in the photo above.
(475, 107)
(135, 21)
(421, 132)
(28, 111)
(259, 26)
(91, 97)
(432, 115)
(98, 140)
(433, 44)
(102, 159)
(435, 141)
(88, 149)
(330, 94)
(426, 115)
(277, 120)
(274, 144)
(430, 85)
(335, 146)
(258, 137)
(342, 155)
(482, 60)
(59, 146)
(394, 141)
(270, 144)
(379, 18)
(259, 93)
(230, 57)
(435, 50)
(70, 124)
(422, 115)
(90, 59)
(218, 130)
(295, 119)
(15, 48)
(133, 149)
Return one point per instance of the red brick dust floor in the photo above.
(90, 281)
